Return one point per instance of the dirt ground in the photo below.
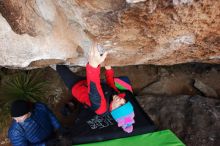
(184, 98)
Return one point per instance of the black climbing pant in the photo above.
(68, 76)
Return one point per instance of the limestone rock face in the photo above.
(38, 33)
(195, 119)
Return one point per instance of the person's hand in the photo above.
(108, 67)
(94, 56)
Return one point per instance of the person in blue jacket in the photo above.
(33, 124)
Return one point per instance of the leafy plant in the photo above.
(30, 86)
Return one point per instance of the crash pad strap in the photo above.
(159, 138)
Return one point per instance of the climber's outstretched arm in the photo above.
(96, 95)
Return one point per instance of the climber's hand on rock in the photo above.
(94, 56)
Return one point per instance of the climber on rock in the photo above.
(102, 97)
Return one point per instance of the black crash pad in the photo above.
(90, 127)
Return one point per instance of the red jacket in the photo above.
(90, 91)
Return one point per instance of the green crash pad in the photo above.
(159, 138)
